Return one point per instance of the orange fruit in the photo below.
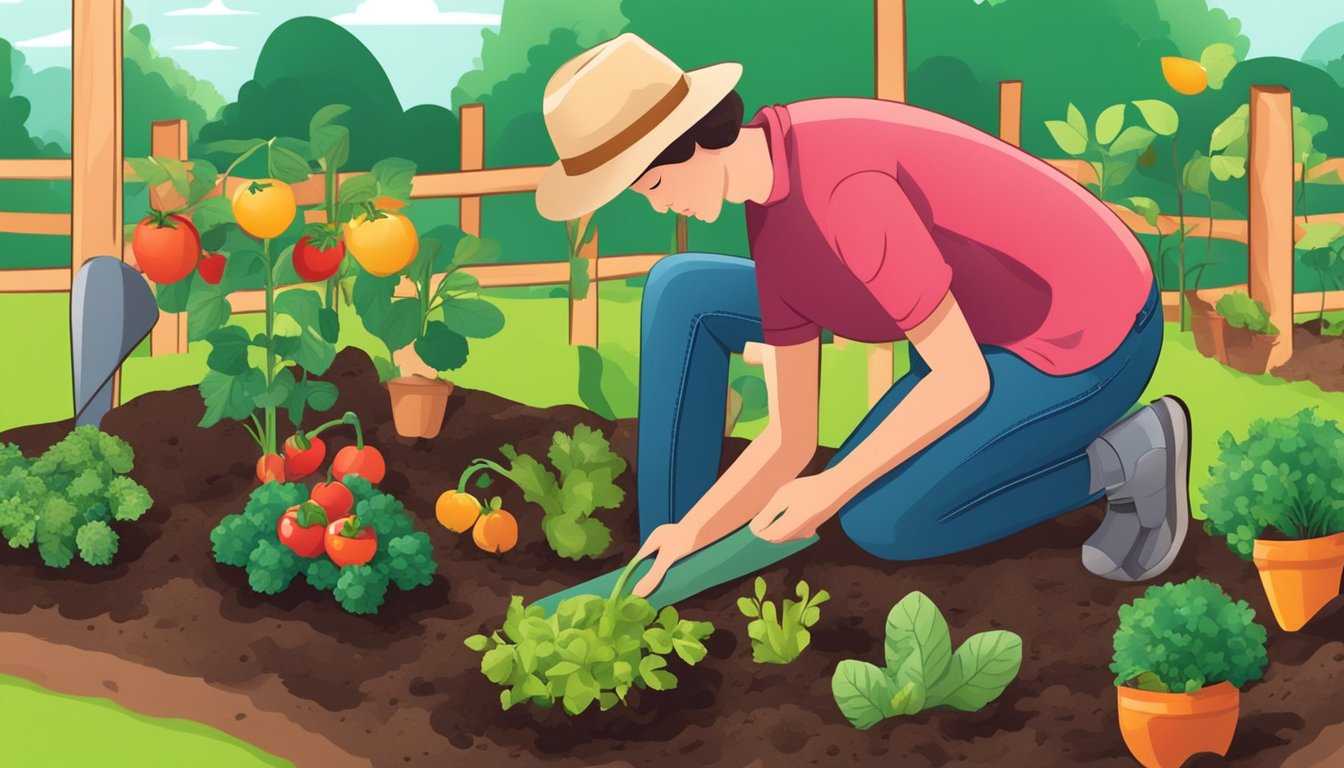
(457, 512)
(382, 246)
(495, 531)
(1184, 75)
(264, 208)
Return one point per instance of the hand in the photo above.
(806, 502)
(672, 542)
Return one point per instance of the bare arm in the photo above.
(775, 457)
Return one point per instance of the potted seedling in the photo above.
(1250, 336)
(426, 335)
(1278, 498)
(1182, 653)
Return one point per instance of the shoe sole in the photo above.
(1178, 414)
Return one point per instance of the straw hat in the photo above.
(610, 111)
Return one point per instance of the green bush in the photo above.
(780, 634)
(1241, 311)
(1178, 638)
(249, 540)
(921, 670)
(1287, 474)
(64, 500)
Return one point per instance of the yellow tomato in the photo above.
(382, 246)
(1184, 75)
(457, 512)
(264, 208)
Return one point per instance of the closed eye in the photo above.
(655, 185)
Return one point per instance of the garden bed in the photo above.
(1316, 358)
(399, 688)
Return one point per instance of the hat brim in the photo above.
(561, 197)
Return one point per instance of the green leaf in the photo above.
(211, 213)
(313, 351)
(358, 189)
(1320, 235)
(910, 681)
(1230, 130)
(286, 165)
(401, 325)
(97, 542)
(322, 117)
(1066, 137)
(386, 369)
(579, 281)
(440, 348)
(148, 170)
(1159, 115)
(318, 395)
(173, 296)
(1074, 119)
(1218, 60)
(1147, 208)
(1132, 139)
(232, 146)
(208, 309)
(1110, 122)
(981, 669)
(204, 176)
(475, 250)
(331, 145)
(277, 393)
(229, 397)
(863, 692)
(394, 176)
(916, 625)
(472, 317)
(1226, 167)
(748, 607)
(228, 350)
(1197, 173)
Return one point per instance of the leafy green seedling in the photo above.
(921, 670)
(779, 636)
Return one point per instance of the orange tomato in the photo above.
(271, 467)
(264, 208)
(382, 246)
(495, 530)
(457, 512)
(1184, 75)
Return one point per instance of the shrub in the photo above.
(589, 650)
(1241, 311)
(64, 500)
(248, 540)
(1181, 637)
(778, 636)
(921, 670)
(1287, 474)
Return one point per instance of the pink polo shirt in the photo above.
(878, 208)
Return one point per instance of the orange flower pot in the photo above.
(1163, 730)
(418, 405)
(1300, 577)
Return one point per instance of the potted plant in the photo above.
(1182, 653)
(1208, 326)
(1286, 478)
(426, 335)
(1249, 337)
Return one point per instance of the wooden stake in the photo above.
(889, 80)
(472, 159)
(583, 312)
(168, 138)
(1010, 112)
(1270, 220)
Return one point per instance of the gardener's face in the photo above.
(693, 188)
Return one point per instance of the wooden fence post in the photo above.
(95, 138)
(472, 117)
(1010, 112)
(1270, 222)
(583, 312)
(168, 138)
(681, 235)
(889, 82)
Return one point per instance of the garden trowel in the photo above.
(112, 309)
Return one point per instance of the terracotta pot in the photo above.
(1247, 351)
(1209, 329)
(1163, 730)
(1300, 577)
(418, 404)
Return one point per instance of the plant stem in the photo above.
(1208, 254)
(476, 466)
(269, 432)
(1180, 217)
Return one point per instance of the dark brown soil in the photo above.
(1316, 358)
(400, 689)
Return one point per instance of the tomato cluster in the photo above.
(324, 523)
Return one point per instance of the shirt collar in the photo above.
(775, 120)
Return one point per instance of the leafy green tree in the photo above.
(15, 142)
(155, 87)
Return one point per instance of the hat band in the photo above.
(626, 138)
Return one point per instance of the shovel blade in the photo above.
(112, 310)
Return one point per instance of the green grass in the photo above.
(40, 724)
(530, 361)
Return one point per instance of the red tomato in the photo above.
(366, 462)
(271, 467)
(335, 498)
(302, 462)
(302, 528)
(166, 253)
(349, 543)
(314, 264)
(212, 268)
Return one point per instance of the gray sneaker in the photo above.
(1148, 509)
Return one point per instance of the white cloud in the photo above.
(54, 40)
(213, 8)
(207, 45)
(411, 13)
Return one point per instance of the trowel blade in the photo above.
(112, 309)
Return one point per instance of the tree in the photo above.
(155, 87)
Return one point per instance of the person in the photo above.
(1033, 320)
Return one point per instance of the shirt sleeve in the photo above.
(883, 241)
(781, 324)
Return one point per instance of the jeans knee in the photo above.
(889, 535)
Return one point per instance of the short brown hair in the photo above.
(715, 130)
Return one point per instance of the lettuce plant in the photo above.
(779, 635)
(921, 670)
(1241, 311)
(590, 650)
(1178, 638)
(1286, 475)
(66, 500)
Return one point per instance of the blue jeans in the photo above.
(1018, 460)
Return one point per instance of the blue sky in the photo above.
(425, 45)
